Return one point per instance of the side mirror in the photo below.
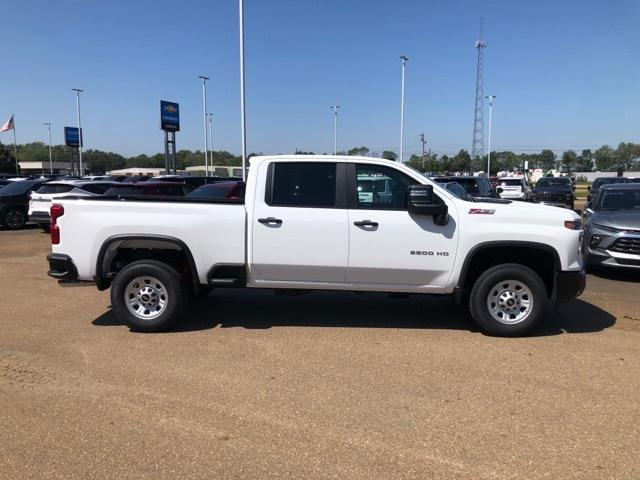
(422, 201)
(499, 190)
(588, 188)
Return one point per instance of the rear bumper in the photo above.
(569, 285)
(61, 267)
(40, 217)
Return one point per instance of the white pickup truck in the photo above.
(306, 224)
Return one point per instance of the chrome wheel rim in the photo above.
(14, 219)
(510, 302)
(146, 297)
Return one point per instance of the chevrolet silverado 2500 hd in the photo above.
(322, 222)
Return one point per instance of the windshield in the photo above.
(553, 182)
(18, 188)
(124, 190)
(619, 200)
(510, 182)
(608, 181)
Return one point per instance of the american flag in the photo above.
(8, 125)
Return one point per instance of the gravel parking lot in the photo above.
(325, 385)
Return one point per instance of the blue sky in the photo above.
(566, 73)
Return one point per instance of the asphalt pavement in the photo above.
(326, 385)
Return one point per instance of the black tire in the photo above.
(14, 218)
(165, 285)
(46, 228)
(487, 292)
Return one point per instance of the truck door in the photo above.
(387, 245)
(299, 230)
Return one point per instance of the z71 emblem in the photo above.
(481, 211)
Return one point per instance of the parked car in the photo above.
(99, 178)
(478, 187)
(42, 197)
(233, 190)
(612, 227)
(513, 188)
(303, 225)
(173, 189)
(136, 179)
(600, 181)
(556, 191)
(14, 202)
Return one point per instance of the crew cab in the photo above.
(305, 223)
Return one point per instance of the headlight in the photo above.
(573, 224)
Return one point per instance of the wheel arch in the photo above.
(112, 245)
(479, 257)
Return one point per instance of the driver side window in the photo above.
(381, 188)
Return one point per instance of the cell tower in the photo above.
(477, 148)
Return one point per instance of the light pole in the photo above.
(243, 120)
(490, 97)
(404, 61)
(48, 124)
(335, 128)
(80, 166)
(204, 123)
(423, 142)
(210, 116)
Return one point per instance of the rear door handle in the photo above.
(366, 223)
(270, 221)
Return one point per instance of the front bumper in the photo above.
(600, 248)
(569, 285)
(61, 267)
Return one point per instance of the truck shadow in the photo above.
(261, 309)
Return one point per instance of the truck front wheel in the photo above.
(508, 300)
(148, 296)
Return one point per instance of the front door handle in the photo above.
(270, 221)
(366, 223)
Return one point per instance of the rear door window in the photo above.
(52, 188)
(303, 184)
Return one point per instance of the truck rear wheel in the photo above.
(148, 296)
(508, 300)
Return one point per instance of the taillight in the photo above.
(56, 212)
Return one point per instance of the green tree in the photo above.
(389, 155)
(605, 158)
(358, 151)
(547, 159)
(461, 161)
(7, 161)
(569, 160)
(585, 161)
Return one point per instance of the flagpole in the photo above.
(15, 145)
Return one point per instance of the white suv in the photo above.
(513, 189)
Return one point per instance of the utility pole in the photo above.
(48, 124)
(80, 166)
(490, 97)
(204, 121)
(243, 120)
(477, 147)
(423, 142)
(335, 128)
(210, 116)
(404, 61)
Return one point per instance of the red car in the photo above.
(231, 190)
(150, 188)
